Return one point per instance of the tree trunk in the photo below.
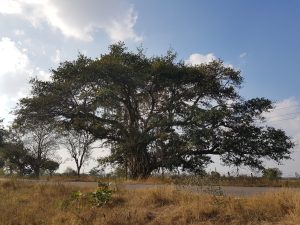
(78, 170)
(37, 171)
(139, 164)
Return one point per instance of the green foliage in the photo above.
(98, 198)
(50, 166)
(2, 134)
(17, 158)
(120, 172)
(69, 172)
(272, 173)
(158, 112)
(75, 195)
(101, 196)
(215, 175)
(96, 171)
(37, 139)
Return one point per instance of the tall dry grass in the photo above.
(32, 204)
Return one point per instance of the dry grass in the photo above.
(23, 203)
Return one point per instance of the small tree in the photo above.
(38, 137)
(69, 172)
(16, 159)
(272, 173)
(51, 166)
(215, 175)
(79, 146)
(96, 171)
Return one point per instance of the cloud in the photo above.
(56, 59)
(243, 55)
(286, 116)
(197, 59)
(19, 32)
(78, 18)
(15, 71)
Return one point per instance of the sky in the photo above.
(260, 38)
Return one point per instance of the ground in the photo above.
(30, 203)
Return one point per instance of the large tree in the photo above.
(158, 112)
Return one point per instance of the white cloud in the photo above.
(19, 32)
(14, 68)
(243, 55)
(197, 59)
(78, 18)
(56, 59)
(15, 71)
(9, 7)
(286, 116)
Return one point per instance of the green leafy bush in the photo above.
(272, 173)
(101, 196)
(76, 195)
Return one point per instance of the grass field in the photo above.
(32, 204)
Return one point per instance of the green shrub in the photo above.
(75, 195)
(101, 196)
(272, 173)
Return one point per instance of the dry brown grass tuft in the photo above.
(34, 204)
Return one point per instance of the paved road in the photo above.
(226, 190)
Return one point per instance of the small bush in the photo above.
(272, 173)
(101, 196)
(75, 195)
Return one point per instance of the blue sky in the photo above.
(261, 38)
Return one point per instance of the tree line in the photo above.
(29, 148)
(153, 113)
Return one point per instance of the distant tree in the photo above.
(16, 158)
(70, 172)
(50, 166)
(272, 173)
(2, 133)
(2, 162)
(96, 171)
(158, 112)
(39, 138)
(215, 175)
(79, 146)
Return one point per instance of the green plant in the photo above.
(75, 195)
(272, 173)
(215, 175)
(101, 196)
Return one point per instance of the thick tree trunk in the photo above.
(140, 164)
(37, 171)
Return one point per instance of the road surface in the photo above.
(226, 190)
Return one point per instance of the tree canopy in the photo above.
(158, 112)
(26, 151)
